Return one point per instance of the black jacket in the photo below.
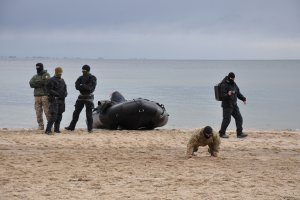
(230, 101)
(57, 87)
(86, 84)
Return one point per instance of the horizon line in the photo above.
(180, 59)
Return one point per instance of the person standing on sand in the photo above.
(203, 137)
(86, 85)
(38, 82)
(57, 90)
(230, 94)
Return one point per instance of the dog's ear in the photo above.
(99, 103)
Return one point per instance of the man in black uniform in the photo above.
(57, 92)
(86, 85)
(230, 94)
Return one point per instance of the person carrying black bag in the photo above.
(86, 85)
(230, 92)
(57, 92)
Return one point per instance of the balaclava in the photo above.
(86, 69)
(207, 131)
(39, 67)
(231, 77)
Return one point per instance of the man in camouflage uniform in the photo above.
(203, 137)
(38, 82)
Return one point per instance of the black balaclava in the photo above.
(207, 132)
(86, 70)
(39, 67)
(231, 77)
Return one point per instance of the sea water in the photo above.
(185, 87)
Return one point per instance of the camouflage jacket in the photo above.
(38, 82)
(198, 139)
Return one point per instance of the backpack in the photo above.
(218, 91)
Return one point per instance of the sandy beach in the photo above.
(147, 165)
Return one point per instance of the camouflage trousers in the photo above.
(41, 105)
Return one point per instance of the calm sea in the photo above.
(185, 88)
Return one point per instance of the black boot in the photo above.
(48, 132)
(242, 135)
(223, 135)
(69, 128)
(49, 127)
(56, 128)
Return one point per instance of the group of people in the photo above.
(50, 94)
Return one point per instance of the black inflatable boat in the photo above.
(118, 113)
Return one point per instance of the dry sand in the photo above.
(147, 165)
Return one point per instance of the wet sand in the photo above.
(147, 165)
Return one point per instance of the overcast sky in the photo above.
(153, 29)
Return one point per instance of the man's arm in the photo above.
(191, 146)
(35, 82)
(240, 96)
(91, 85)
(214, 147)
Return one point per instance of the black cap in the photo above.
(231, 75)
(86, 68)
(39, 66)
(207, 130)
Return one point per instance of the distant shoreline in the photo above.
(140, 59)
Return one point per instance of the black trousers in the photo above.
(235, 113)
(56, 110)
(89, 105)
